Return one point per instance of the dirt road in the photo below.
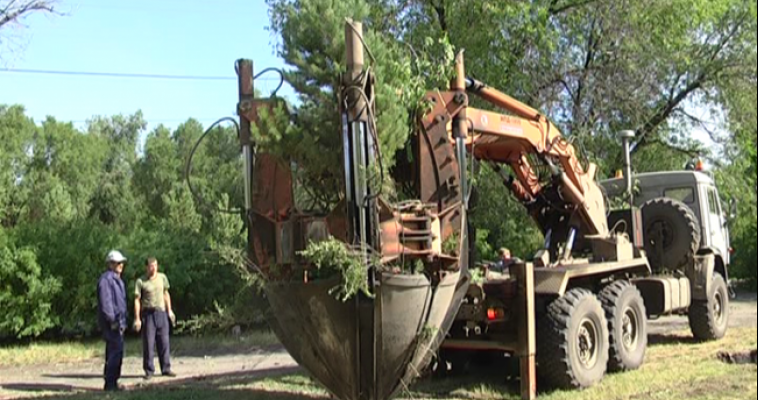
(743, 315)
(25, 382)
(17, 383)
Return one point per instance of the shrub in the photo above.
(332, 258)
(25, 295)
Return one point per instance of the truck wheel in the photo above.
(709, 319)
(627, 326)
(673, 226)
(573, 341)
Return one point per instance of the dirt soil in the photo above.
(32, 381)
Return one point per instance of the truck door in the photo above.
(716, 232)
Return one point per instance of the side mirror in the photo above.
(733, 209)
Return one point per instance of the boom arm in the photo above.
(503, 139)
(572, 201)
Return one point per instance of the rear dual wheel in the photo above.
(627, 326)
(573, 341)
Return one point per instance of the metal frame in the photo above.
(524, 343)
(555, 281)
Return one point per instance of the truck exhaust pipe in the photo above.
(626, 137)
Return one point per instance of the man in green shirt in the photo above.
(152, 310)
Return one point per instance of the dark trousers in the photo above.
(114, 357)
(155, 332)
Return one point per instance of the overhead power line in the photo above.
(148, 120)
(125, 75)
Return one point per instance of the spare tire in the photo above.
(672, 234)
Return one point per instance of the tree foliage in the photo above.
(333, 259)
(67, 196)
(737, 175)
(26, 294)
(313, 43)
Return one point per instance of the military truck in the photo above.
(685, 237)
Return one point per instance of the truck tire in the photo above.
(573, 341)
(709, 319)
(627, 326)
(674, 225)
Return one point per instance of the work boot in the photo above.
(114, 388)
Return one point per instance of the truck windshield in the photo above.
(685, 195)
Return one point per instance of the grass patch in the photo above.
(75, 352)
(676, 369)
(42, 353)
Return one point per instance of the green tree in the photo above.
(158, 170)
(69, 196)
(113, 201)
(75, 158)
(182, 214)
(738, 182)
(216, 170)
(17, 134)
(63, 170)
(26, 295)
(73, 253)
(313, 43)
(504, 220)
(737, 174)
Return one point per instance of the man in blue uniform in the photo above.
(112, 314)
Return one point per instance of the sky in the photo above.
(163, 37)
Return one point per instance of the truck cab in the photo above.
(695, 189)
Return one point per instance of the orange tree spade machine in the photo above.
(579, 310)
(374, 344)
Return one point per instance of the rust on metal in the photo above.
(270, 191)
(273, 197)
(246, 94)
(438, 177)
(527, 332)
(253, 110)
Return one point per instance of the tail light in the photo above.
(495, 314)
